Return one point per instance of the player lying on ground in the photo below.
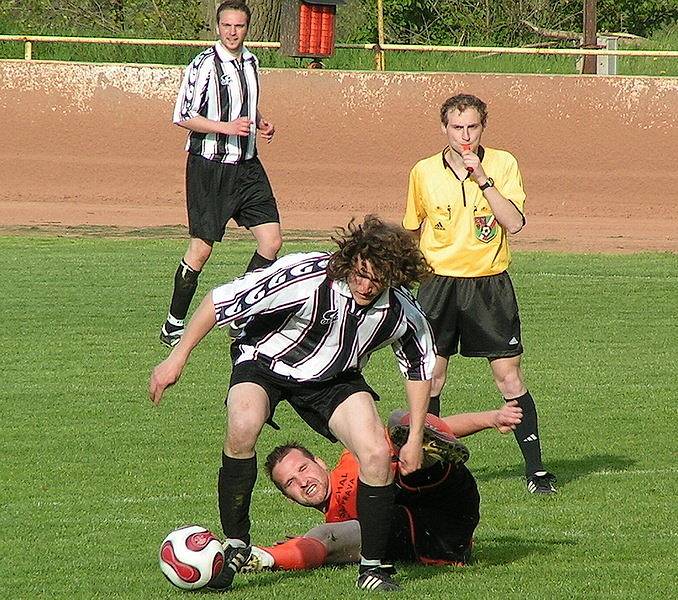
(437, 507)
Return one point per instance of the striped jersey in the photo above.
(219, 87)
(305, 326)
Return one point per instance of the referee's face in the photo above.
(463, 129)
(363, 283)
(232, 28)
(302, 479)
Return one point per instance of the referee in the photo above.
(310, 323)
(463, 202)
(218, 104)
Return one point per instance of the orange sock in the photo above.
(298, 554)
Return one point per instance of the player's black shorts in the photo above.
(437, 511)
(314, 402)
(477, 316)
(217, 192)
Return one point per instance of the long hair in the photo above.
(393, 252)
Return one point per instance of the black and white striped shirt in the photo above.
(219, 87)
(306, 326)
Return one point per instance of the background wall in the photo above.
(94, 144)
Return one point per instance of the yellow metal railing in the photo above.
(379, 48)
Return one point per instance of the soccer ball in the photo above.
(190, 557)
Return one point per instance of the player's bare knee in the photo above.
(375, 464)
(241, 440)
(510, 383)
(270, 247)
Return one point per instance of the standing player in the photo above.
(311, 322)
(463, 202)
(218, 104)
(437, 507)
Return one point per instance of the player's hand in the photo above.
(166, 374)
(241, 126)
(267, 129)
(411, 457)
(508, 417)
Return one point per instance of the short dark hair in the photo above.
(461, 102)
(393, 252)
(234, 5)
(280, 452)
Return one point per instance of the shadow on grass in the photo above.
(566, 470)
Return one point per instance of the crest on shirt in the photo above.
(224, 79)
(329, 316)
(486, 228)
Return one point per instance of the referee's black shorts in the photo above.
(314, 401)
(475, 316)
(217, 192)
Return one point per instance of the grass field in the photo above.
(93, 476)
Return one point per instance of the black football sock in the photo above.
(375, 513)
(527, 434)
(258, 261)
(185, 284)
(236, 482)
(434, 405)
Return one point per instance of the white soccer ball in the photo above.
(190, 557)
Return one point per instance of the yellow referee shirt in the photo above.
(459, 235)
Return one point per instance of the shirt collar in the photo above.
(226, 56)
(381, 302)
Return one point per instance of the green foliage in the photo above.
(93, 476)
(640, 17)
(164, 19)
(500, 22)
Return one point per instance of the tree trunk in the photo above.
(265, 25)
(209, 11)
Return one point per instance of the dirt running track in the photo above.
(94, 145)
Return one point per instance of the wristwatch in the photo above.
(488, 184)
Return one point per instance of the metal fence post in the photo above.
(380, 57)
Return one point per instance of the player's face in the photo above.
(363, 283)
(463, 129)
(302, 479)
(232, 28)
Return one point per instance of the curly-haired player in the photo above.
(308, 325)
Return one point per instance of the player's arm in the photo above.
(414, 211)
(191, 97)
(503, 419)
(266, 128)
(200, 124)
(167, 373)
(411, 454)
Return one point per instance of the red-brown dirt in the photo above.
(94, 145)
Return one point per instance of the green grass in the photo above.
(346, 59)
(93, 476)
